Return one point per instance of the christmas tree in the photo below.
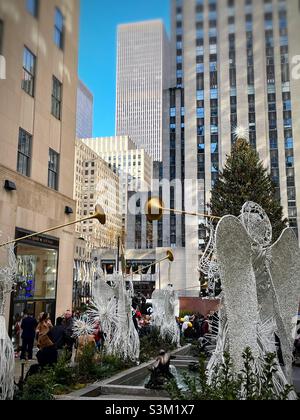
(244, 178)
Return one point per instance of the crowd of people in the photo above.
(191, 326)
(50, 339)
(195, 326)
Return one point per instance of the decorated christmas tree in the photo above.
(244, 178)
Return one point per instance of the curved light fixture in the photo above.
(169, 256)
(155, 208)
(99, 215)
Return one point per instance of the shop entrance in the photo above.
(36, 280)
(35, 308)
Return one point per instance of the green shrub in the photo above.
(86, 367)
(63, 374)
(111, 365)
(62, 378)
(226, 385)
(38, 388)
(151, 344)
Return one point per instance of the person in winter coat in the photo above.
(28, 327)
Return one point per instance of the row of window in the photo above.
(59, 21)
(28, 83)
(24, 160)
(287, 118)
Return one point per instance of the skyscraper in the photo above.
(84, 116)
(234, 63)
(142, 74)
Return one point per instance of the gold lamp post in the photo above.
(99, 215)
(155, 208)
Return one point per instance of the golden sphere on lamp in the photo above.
(154, 209)
(100, 214)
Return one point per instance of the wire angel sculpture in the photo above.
(164, 303)
(208, 264)
(7, 355)
(111, 305)
(125, 342)
(261, 290)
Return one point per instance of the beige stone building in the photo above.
(39, 41)
(95, 183)
(133, 165)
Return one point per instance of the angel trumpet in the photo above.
(155, 208)
(98, 215)
(169, 256)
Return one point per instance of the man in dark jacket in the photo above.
(28, 327)
(58, 334)
(68, 323)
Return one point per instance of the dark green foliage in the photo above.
(63, 379)
(86, 366)
(151, 344)
(250, 379)
(111, 365)
(226, 385)
(38, 388)
(93, 366)
(62, 371)
(244, 178)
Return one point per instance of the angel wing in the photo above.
(239, 286)
(158, 305)
(285, 274)
(102, 291)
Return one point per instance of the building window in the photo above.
(29, 63)
(59, 29)
(53, 169)
(24, 153)
(56, 98)
(33, 7)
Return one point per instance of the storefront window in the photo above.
(36, 280)
(37, 273)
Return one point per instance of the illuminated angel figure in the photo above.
(104, 306)
(125, 342)
(261, 288)
(208, 264)
(7, 356)
(112, 307)
(165, 303)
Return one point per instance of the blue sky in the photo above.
(97, 51)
